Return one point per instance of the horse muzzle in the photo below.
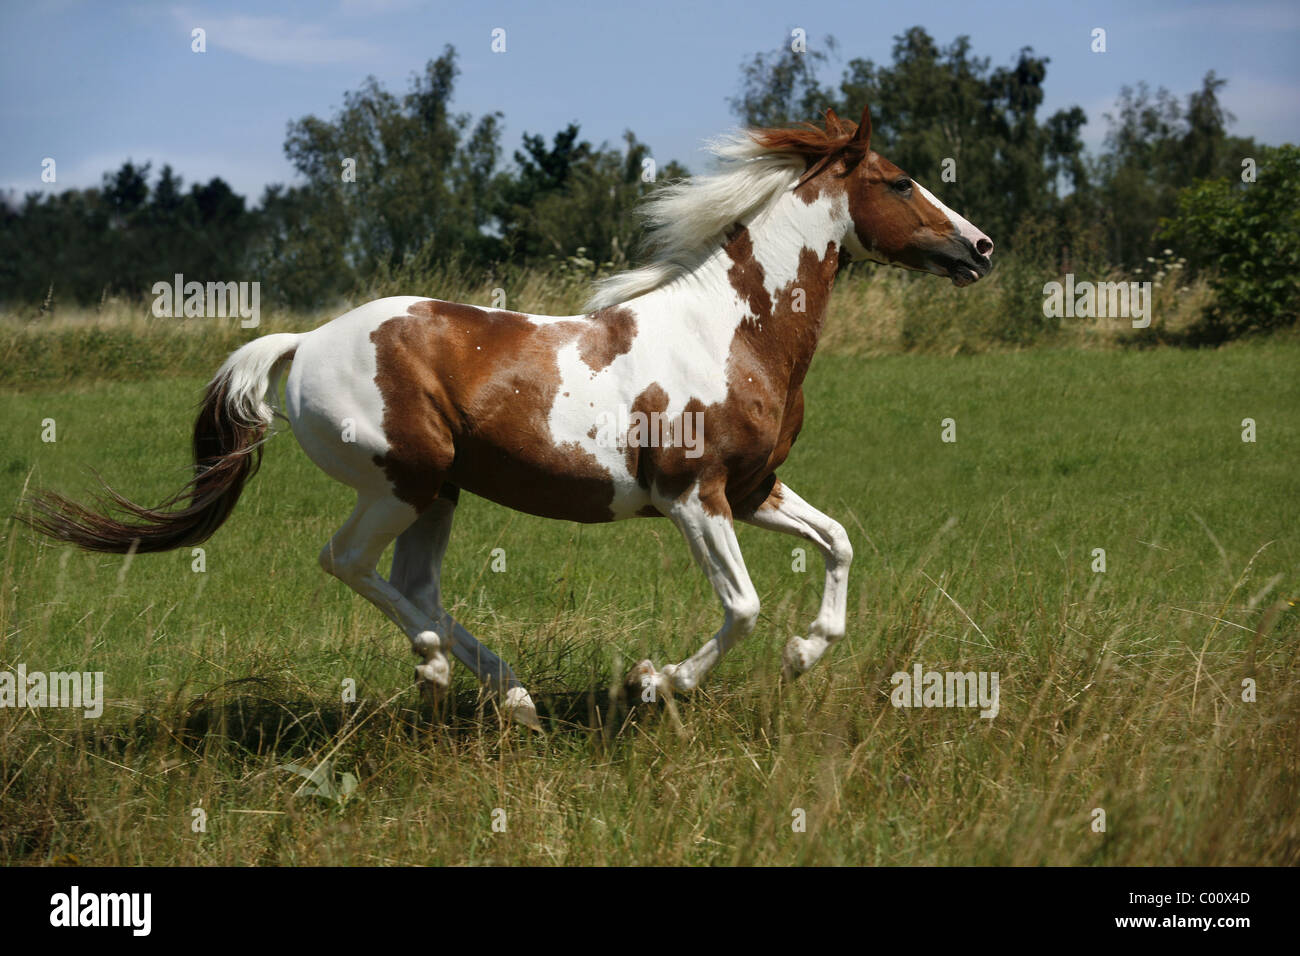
(959, 260)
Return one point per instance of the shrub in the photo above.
(1246, 237)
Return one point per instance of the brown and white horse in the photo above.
(412, 400)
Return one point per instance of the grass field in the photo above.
(1120, 691)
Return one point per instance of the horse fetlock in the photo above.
(828, 631)
(426, 644)
(680, 677)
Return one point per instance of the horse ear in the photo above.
(862, 137)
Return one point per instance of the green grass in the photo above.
(1120, 691)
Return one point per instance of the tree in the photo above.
(575, 200)
(123, 237)
(1246, 237)
(386, 177)
(1156, 147)
(780, 88)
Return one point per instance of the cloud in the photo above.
(277, 40)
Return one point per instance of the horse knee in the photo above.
(841, 550)
(744, 615)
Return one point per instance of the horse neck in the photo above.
(767, 286)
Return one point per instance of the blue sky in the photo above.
(92, 84)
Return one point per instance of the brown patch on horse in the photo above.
(466, 394)
(839, 158)
(749, 434)
(651, 402)
(899, 227)
(609, 335)
(746, 273)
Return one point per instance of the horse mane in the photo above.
(686, 219)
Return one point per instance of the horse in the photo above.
(412, 400)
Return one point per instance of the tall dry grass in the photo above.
(874, 310)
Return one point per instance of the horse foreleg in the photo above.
(785, 511)
(707, 527)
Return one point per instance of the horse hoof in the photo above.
(647, 684)
(643, 669)
(518, 707)
(799, 655)
(434, 695)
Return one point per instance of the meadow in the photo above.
(1162, 691)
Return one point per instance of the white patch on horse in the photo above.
(960, 225)
(331, 388)
(780, 235)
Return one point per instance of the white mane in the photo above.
(686, 219)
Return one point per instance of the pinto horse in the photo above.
(411, 400)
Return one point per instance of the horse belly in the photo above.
(523, 465)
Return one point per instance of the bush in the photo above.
(1246, 237)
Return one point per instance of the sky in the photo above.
(91, 84)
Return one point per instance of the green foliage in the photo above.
(1157, 147)
(322, 781)
(390, 185)
(385, 176)
(574, 199)
(780, 88)
(1246, 235)
(121, 238)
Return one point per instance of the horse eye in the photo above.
(903, 185)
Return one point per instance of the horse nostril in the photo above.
(984, 246)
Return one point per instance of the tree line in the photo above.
(402, 181)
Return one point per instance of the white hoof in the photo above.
(647, 685)
(516, 705)
(801, 654)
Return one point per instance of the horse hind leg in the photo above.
(352, 556)
(417, 574)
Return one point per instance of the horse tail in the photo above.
(232, 424)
